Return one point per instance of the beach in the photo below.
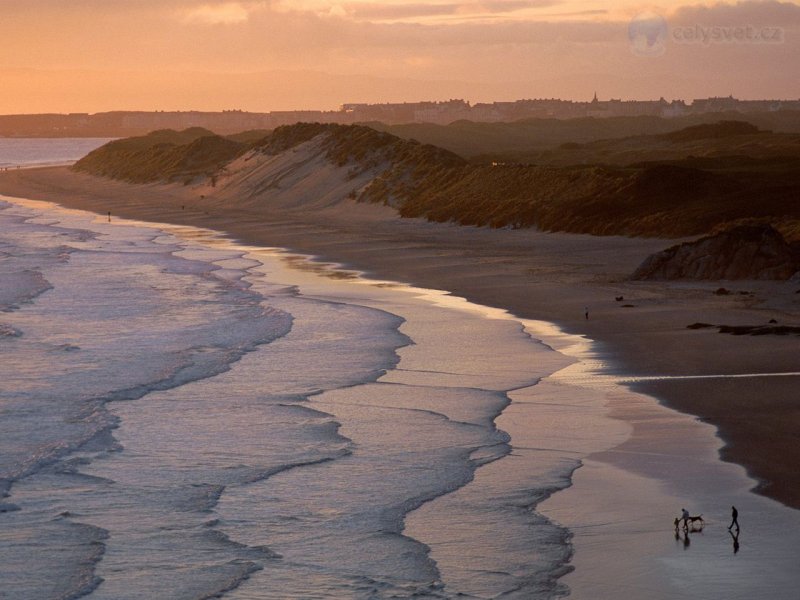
(551, 277)
(373, 431)
(400, 300)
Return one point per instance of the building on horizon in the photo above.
(126, 123)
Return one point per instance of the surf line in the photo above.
(637, 379)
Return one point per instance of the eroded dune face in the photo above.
(300, 178)
(744, 252)
(307, 165)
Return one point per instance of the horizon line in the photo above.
(341, 108)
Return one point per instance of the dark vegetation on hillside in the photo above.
(529, 136)
(746, 176)
(670, 198)
(653, 200)
(163, 155)
(724, 139)
(713, 131)
(250, 136)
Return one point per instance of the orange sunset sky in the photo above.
(260, 55)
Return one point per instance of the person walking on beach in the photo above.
(685, 518)
(734, 518)
(586, 313)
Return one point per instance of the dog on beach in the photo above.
(689, 520)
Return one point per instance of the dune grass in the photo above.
(671, 197)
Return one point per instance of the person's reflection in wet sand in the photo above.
(682, 530)
(684, 538)
(735, 537)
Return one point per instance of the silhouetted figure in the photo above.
(586, 313)
(734, 518)
(109, 216)
(685, 517)
(735, 540)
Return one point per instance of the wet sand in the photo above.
(551, 277)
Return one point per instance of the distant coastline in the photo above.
(776, 114)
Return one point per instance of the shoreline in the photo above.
(427, 411)
(526, 273)
(618, 464)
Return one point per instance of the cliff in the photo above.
(742, 252)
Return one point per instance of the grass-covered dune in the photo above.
(672, 197)
(530, 137)
(712, 140)
(359, 146)
(163, 155)
(659, 200)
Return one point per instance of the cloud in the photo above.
(388, 12)
(578, 13)
(749, 12)
(377, 11)
(226, 13)
(420, 12)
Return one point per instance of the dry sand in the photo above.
(536, 275)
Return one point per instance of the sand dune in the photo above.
(315, 165)
(302, 178)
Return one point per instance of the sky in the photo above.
(261, 55)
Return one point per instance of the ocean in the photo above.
(40, 152)
(180, 421)
(185, 417)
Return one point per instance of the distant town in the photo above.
(125, 123)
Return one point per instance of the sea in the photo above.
(42, 152)
(187, 417)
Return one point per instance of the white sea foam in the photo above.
(97, 318)
(216, 461)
